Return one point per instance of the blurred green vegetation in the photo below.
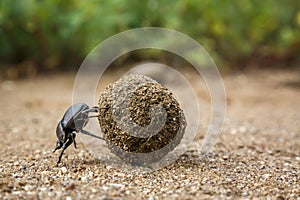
(39, 35)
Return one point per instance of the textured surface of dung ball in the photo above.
(140, 119)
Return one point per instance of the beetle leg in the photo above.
(59, 145)
(90, 134)
(73, 135)
(64, 147)
(93, 116)
(85, 115)
(93, 109)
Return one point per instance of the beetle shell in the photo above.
(75, 113)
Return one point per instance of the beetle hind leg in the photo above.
(93, 109)
(90, 134)
(93, 116)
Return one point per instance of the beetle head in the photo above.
(60, 133)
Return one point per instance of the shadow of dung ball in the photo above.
(140, 119)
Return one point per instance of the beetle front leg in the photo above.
(73, 135)
(64, 147)
(59, 145)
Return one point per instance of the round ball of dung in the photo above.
(141, 120)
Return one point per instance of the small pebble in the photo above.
(85, 179)
(64, 170)
(70, 186)
(43, 189)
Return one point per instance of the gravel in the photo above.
(257, 155)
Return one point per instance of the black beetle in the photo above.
(73, 121)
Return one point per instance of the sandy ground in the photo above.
(257, 155)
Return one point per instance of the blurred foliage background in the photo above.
(49, 35)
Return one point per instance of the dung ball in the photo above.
(140, 119)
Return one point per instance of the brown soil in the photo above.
(257, 155)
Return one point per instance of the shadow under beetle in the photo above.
(73, 121)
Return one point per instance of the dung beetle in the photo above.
(73, 121)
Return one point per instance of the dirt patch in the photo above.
(257, 155)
